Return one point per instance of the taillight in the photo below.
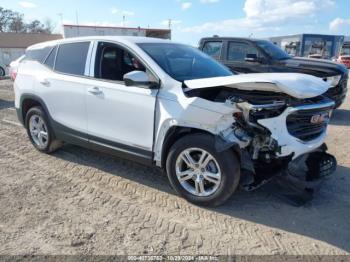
(13, 75)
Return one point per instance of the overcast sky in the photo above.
(193, 19)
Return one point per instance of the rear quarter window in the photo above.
(71, 58)
(50, 60)
(38, 54)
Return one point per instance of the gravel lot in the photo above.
(81, 202)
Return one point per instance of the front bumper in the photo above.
(289, 144)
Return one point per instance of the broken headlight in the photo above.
(257, 112)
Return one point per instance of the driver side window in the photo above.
(113, 62)
(238, 51)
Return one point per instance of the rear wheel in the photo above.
(199, 173)
(39, 131)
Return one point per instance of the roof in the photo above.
(120, 39)
(23, 40)
(219, 38)
(117, 27)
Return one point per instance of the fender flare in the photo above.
(36, 98)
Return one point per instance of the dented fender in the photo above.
(212, 117)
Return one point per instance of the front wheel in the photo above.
(199, 173)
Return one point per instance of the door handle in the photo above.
(45, 82)
(95, 91)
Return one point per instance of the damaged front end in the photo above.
(275, 132)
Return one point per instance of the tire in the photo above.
(45, 142)
(224, 165)
(2, 72)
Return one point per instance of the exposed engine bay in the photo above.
(276, 134)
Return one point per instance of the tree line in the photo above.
(12, 21)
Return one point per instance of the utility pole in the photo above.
(169, 23)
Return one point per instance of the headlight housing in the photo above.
(332, 80)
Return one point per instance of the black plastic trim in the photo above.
(82, 139)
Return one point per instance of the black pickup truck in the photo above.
(247, 55)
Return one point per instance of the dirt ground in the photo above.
(81, 202)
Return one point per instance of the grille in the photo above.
(299, 123)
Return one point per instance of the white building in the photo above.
(85, 30)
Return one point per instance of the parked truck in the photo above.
(247, 55)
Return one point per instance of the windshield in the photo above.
(272, 50)
(184, 62)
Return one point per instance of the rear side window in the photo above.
(213, 49)
(38, 54)
(71, 58)
(50, 60)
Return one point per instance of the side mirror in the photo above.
(252, 58)
(139, 78)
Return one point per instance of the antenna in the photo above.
(124, 18)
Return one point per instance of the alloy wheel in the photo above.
(38, 131)
(198, 172)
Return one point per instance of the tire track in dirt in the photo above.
(220, 233)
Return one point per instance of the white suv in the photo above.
(168, 104)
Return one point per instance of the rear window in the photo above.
(213, 49)
(38, 54)
(71, 58)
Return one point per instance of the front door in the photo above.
(120, 117)
(236, 58)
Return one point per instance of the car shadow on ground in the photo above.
(4, 104)
(260, 206)
(340, 117)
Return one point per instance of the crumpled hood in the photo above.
(294, 84)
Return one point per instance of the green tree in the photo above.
(6, 17)
(16, 24)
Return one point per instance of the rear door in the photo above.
(120, 117)
(62, 85)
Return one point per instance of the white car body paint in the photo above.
(126, 114)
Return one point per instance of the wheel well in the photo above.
(174, 134)
(28, 104)
(177, 132)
